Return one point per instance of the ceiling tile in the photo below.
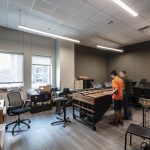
(100, 17)
(134, 23)
(102, 41)
(116, 26)
(53, 2)
(38, 14)
(22, 3)
(98, 3)
(84, 26)
(71, 5)
(137, 35)
(75, 21)
(61, 14)
(87, 11)
(82, 19)
(36, 21)
(112, 8)
(3, 12)
(43, 7)
(131, 2)
(146, 14)
(142, 5)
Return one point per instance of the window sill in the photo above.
(5, 90)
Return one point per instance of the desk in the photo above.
(136, 130)
(1, 111)
(89, 106)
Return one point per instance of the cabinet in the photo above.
(78, 84)
(83, 84)
(41, 102)
(1, 111)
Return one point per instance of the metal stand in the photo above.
(63, 120)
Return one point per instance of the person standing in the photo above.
(126, 94)
(117, 98)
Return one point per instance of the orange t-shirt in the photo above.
(118, 83)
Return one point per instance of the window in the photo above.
(41, 71)
(11, 70)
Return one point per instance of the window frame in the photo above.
(51, 69)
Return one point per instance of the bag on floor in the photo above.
(145, 146)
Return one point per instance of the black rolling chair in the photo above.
(17, 107)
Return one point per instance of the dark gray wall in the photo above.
(94, 63)
(89, 62)
(136, 61)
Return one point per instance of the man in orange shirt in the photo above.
(117, 97)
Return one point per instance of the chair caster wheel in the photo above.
(94, 128)
(29, 121)
(28, 127)
(74, 117)
(6, 128)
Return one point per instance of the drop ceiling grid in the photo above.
(88, 25)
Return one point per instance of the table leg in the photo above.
(74, 117)
(143, 117)
(125, 145)
(130, 139)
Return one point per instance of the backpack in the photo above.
(145, 146)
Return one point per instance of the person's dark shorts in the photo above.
(118, 104)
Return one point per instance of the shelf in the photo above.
(87, 109)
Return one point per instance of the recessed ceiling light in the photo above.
(110, 49)
(48, 34)
(126, 7)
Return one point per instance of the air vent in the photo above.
(144, 28)
(110, 22)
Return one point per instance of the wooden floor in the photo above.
(76, 136)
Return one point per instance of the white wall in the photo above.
(28, 44)
(66, 60)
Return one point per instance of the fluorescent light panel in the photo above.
(126, 7)
(48, 34)
(111, 49)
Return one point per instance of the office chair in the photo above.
(17, 107)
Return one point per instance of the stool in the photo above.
(137, 130)
(63, 120)
(145, 106)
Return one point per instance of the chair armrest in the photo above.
(26, 102)
(9, 108)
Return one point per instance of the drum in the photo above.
(145, 102)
